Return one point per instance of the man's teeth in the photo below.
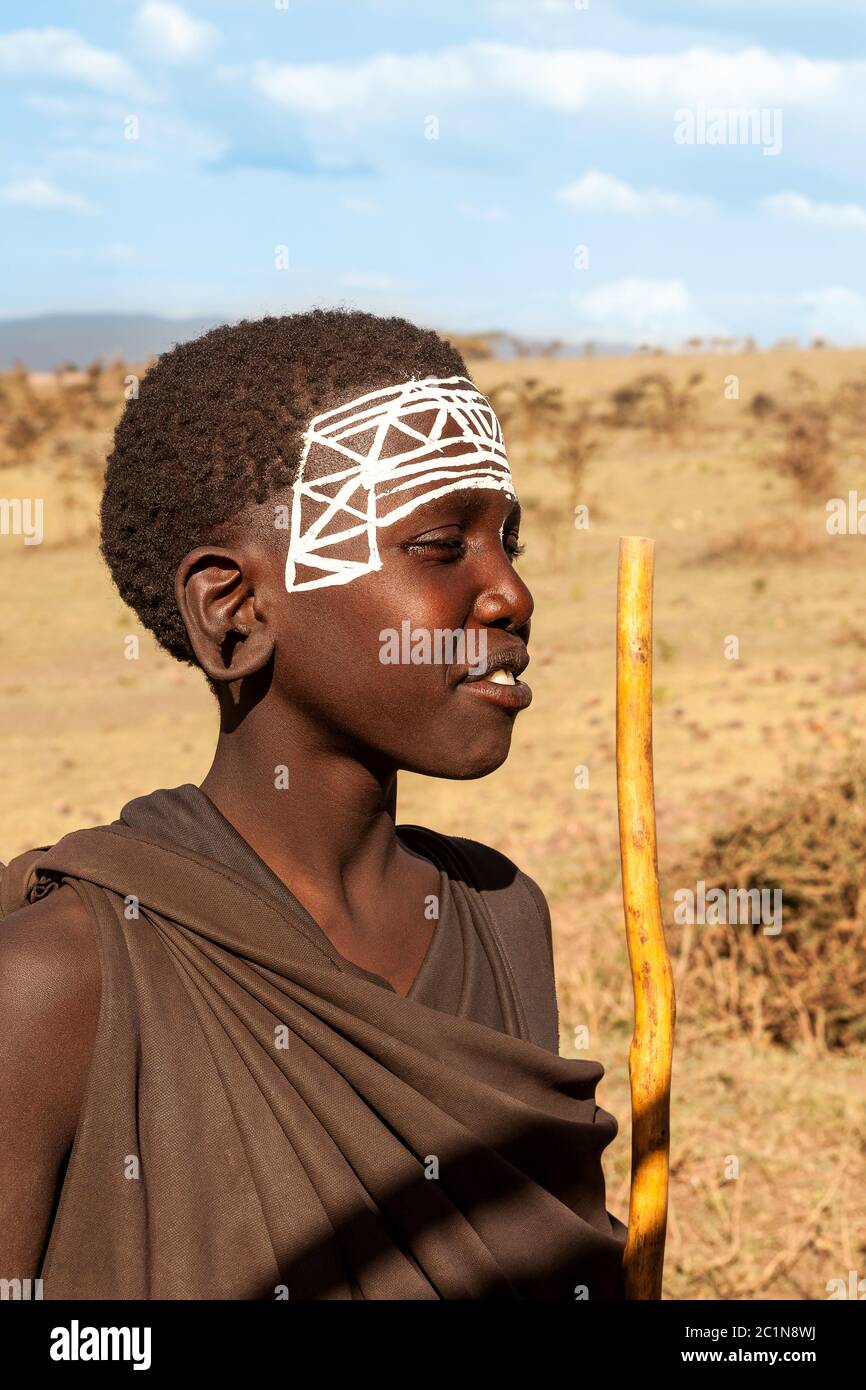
(501, 677)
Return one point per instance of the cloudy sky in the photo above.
(447, 161)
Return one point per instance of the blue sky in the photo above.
(307, 127)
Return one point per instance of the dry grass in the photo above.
(774, 538)
(760, 1073)
(805, 983)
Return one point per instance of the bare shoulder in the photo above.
(49, 1008)
(49, 990)
(49, 961)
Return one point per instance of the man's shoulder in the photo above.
(493, 872)
(50, 992)
(501, 870)
(50, 987)
(48, 951)
(520, 912)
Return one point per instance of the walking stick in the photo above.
(651, 1049)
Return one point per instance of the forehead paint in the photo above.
(366, 491)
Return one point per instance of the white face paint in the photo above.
(368, 491)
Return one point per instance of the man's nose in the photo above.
(506, 601)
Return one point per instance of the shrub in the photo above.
(804, 456)
(807, 983)
(654, 402)
(761, 405)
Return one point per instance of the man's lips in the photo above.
(511, 660)
(497, 679)
(515, 697)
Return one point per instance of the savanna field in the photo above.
(728, 461)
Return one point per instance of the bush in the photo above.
(654, 402)
(761, 405)
(805, 453)
(849, 401)
(808, 983)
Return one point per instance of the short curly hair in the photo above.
(217, 427)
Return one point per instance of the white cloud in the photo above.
(169, 33)
(639, 310)
(565, 80)
(45, 197)
(796, 207)
(371, 88)
(598, 192)
(65, 54)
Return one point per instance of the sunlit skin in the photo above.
(301, 685)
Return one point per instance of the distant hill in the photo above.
(56, 340)
(53, 340)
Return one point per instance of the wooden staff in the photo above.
(651, 1049)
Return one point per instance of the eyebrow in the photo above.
(473, 500)
(470, 503)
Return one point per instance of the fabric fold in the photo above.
(261, 1121)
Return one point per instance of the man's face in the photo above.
(389, 661)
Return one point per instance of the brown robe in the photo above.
(456, 975)
(263, 1119)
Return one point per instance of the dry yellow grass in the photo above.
(737, 554)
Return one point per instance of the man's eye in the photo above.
(512, 547)
(453, 546)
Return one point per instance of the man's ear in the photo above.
(216, 598)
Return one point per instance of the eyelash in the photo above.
(455, 544)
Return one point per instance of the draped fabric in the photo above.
(455, 976)
(261, 1121)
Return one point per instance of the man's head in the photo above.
(218, 428)
(231, 443)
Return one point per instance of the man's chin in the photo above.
(468, 762)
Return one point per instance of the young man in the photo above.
(261, 1042)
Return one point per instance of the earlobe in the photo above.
(216, 597)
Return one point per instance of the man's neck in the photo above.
(319, 818)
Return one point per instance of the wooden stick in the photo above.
(651, 1050)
